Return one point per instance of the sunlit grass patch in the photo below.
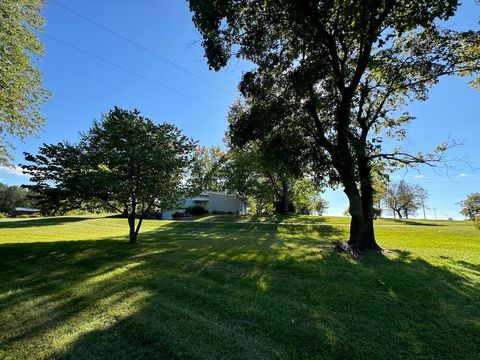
(73, 288)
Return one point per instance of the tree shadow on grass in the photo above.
(35, 222)
(213, 292)
(415, 223)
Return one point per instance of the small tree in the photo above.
(279, 157)
(126, 162)
(319, 205)
(404, 199)
(207, 170)
(470, 207)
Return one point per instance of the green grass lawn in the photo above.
(223, 288)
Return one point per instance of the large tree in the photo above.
(338, 72)
(126, 162)
(21, 90)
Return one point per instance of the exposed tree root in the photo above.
(342, 246)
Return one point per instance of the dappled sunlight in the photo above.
(263, 291)
(108, 275)
(116, 307)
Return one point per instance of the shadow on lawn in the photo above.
(35, 222)
(189, 291)
(415, 223)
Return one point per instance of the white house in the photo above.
(213, 202)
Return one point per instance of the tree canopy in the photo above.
(21, 89)
(125, 162)
(12, 197)
(338, 73)
(403, 199)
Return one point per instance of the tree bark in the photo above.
(285, 197)
(133, 234)
(362, 234)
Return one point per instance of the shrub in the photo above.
(377, 213)
(196, 210)
(177, 215)
(217, 212)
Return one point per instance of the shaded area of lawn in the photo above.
(41, 221)
(220, 291)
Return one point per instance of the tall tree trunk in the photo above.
(285, 197)
(362, 234)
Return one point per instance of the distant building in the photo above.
(26, 211)
(214, 202)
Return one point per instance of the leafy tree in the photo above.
(12, 197)
(337, 73)
(245, 176)
(305, 198)
(21, 90)
(279, 156)
(207, 170)
(53, 174)
(470, 207)
(404, 199)
(319, 206)
(126, 162)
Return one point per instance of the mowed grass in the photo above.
(223, 288)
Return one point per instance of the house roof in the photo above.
(219, 193)
(200, 198)
(23, 209)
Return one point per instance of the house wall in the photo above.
(226, 203)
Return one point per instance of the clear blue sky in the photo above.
(84, 87)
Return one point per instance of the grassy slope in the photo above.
(72, 288)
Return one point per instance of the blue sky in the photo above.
(90, 70)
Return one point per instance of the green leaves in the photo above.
(125, 161)
(21, 90)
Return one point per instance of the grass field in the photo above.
(224, 288)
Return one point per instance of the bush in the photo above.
(477, 222)
(217, 212)
(196, 210)
(377, 213)
(177, 215)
